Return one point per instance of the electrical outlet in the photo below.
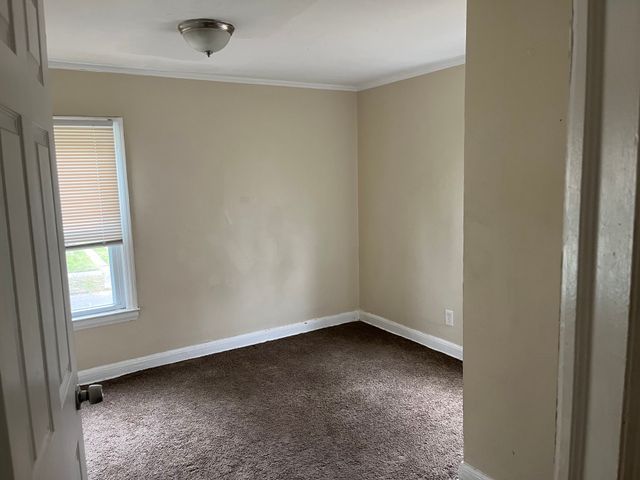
(448, 317)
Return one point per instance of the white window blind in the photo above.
(88, 178)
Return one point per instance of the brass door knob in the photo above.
(92, 394)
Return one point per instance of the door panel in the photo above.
(6, 24)
(44, 180)
(46, 246)
(14, 385)
(33, 37)
(29, 318)
(41, 429)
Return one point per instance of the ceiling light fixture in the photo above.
(206, 35)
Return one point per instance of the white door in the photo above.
(40, 429)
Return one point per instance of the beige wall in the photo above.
(410, 203)
(243, 201)
(516, 103)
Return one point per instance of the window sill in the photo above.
(107, 318)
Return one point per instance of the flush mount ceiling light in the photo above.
(206, 35)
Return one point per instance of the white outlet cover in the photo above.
(448, 317)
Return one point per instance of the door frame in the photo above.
(600, 247)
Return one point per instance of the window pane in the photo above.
(90, 283)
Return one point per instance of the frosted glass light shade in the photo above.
(206, 35)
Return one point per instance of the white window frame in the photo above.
(125, 291)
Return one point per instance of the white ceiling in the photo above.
(348, 44)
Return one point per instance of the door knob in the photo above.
(92, 394)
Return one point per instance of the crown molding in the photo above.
(416, 72)
(94, 67)
(405, 75)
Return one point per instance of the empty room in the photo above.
(243, 239)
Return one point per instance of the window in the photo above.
(94, 200)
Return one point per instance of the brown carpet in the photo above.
(349, 402)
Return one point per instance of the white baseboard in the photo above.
(435, 343)
(467, 472)
(114, 370)
(118, 369)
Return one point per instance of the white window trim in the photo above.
(130, 292)
(131, 309)
(106, 318)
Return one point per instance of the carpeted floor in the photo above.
(349, 402)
